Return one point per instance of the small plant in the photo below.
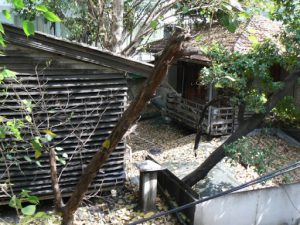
(18, 202)
(286, 110)
(248, 153)
(26, 204)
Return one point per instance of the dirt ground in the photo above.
(171, 145)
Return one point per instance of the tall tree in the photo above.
(125, 26)
(140, 19)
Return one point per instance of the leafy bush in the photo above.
(286, 110)
(248, 153)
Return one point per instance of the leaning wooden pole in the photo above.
(172, 52)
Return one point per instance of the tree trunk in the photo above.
(58, 203)
(171, 53)
(117, 25)
(244, 128)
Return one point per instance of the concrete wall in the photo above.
(270, 206)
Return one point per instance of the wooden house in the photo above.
(72, 91)
(184, 98)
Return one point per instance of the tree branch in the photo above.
(244, 128)
(58, 202)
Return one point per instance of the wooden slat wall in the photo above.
(83, 104)
(188, 113)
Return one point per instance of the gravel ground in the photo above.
(172, 146)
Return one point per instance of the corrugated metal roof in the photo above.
(75, 50)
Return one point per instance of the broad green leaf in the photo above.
(8, 74)
(185, 9)
(7, 14)
(106, 144)
(41, 215)
(2, 42)
(59, 148)
(33, 199)
(218, 85)
(28, 27)
(232, 26)
(2, 132)
(37, 154)
(42, 8)
(224, 19)
(19, 4)
(27, 105)
(154, 24)
(9, 157)
(49, 132)
(253, 39)
(263, 98)
(25, 193)
(62, 161)
(244, 15)
(2, 119)
(252, 30)
(38, 163)
(27, 159)
(36, 144)
(230, 78)
(65, 155)
(148, 214)
(13, 202)
(198, 38)
(28, 118)
(227, 6)
(29, 210)
(47, 138)
(14, 127)
(228, 21)
(50, 16)
(1, 28)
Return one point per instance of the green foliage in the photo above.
(286, 110)
(248, 153)
(28, 10)
(50, 16)
(5, 74)
(247, 75)
(13, 128)
(7, 14)
(19, 4)
(28, 27)
(154, 24)
(26, 204)
(17, 202)
(228, 21)
(288, 12)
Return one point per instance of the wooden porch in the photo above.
(218, 120)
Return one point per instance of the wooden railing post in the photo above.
(148, 184)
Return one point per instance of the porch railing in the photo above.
(217, 120)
